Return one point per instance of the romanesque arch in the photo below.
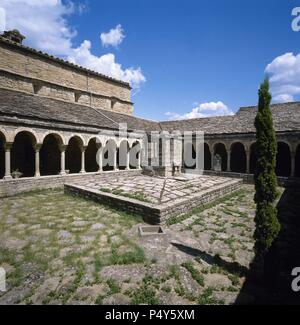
(238, 158)
(207, 157)
(253, 158)
(123, 155)
(220, 149)
(283, 160)
(110, 155)
(23, 154)
(297, 161)
(188, 155)
(50, 157)
(135, 155)
(73, 155)
(91, 164)
(2, 155)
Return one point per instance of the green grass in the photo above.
(144, 295)
(114, 286)
(105, 190)
(196, 275)
(135, 256)
(206, 298)
(137, 195)
(179, 218)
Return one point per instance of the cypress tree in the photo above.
(267, 224)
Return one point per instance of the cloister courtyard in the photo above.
(61, 249)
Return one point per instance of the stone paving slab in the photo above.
(155, 198)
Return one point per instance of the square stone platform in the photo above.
(154, 198)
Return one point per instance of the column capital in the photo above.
(38, 146)
(82, 148)
(62, 147)
(8, 146)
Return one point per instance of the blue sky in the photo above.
(209, 56)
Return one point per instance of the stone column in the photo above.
(100, 159)
(115, 160)
(82, 171)
(37, 160)
(228, 160)
(248, 160)
(140, 158)
(7, 147)
(212, 157)
(62, 160)
(293, 163)
(128, 159)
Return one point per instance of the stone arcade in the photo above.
(51, 128)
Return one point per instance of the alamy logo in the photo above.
(2, 279)
(296, 21)
(296, 281)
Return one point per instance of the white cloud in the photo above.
(203, 110)
(105, 64)
(284, 72)
(42, 22)
(46, 27)
(114, 37)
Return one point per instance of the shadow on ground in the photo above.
(275, 286)
(283, 257)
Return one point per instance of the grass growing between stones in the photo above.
(179, 218)
(60, 249)
(140, 196)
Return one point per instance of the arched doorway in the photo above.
(135, 155)
(50, 155)
(238, 158)
(297, 161)
(91, 164)
(188, 155)
(73, 155)
(253, 158)
(123, 155)
(110, 155)
(283, 160)
(23, 154)
(2, 155)
(220, 149)
(207, 157)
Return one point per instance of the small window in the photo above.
(113, 102)
(77, 96)
(36, 87)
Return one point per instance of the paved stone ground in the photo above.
(156, 190)
(58, 249)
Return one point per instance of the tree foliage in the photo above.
(267, 225)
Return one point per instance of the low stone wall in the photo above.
(149, 212)
(247, 178)
(155, 213)
(198, 200)
(15, 186)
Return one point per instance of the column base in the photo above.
(82, 172)
(62, 173)
(37, 175)
(8, 177)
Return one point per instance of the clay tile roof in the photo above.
(17, 104)
(286, 118)
(37, 108)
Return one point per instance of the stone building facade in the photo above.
(52, 129)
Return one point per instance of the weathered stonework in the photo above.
(161, 199)
(27, 70)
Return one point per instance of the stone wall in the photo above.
(26, 70)
(152, 213)
(15, 186)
